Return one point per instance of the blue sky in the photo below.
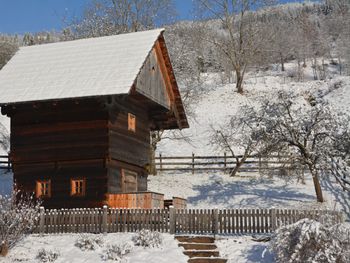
(21, 16)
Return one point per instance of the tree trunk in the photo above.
(4, 249)
(239, 163)
(317, 185)
(239, 82)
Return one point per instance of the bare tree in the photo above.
(110, 17)
(7, 50)
(308, 134)
(240, 37)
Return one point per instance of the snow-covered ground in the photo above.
(27, 249)
(219, 190)
(242, 249)
(220, 101)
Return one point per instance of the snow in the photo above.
(220, 101)
(242, 249)
(219, 190)
(27, 249)
(80, 68)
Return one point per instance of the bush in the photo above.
(310, 241)
(88, 242)
(47, 255)
(117, 252)
(147, 238)
(18, 217)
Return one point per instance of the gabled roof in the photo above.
(81, 68)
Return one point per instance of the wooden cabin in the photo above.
(81, 114)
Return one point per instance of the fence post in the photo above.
(192, 163)
(225, 162)
(273, 219)
(42, 220)
(104, 219)
(216, 221)
(172, 219)
(160, 162)
(8, 164)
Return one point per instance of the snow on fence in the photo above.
(179, 221)
(224, 163)
(5, 163)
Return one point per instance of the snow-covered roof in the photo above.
(81, 68)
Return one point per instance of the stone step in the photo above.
(207, 260)
(195, 239)
(201, 253)
(199, 246)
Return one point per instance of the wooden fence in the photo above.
(5, 163)
(174, 221)
(223, 162)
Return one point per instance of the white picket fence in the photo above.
(179, 221)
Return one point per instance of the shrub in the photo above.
(117, 252)
(310, 241)
(18, 216)
(47, 255)
(88, 242)
(147, 238)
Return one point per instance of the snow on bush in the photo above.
(147, 238)
(310, 241)
(117, 252)
(18, 216)
(47, 255)
(89, 242)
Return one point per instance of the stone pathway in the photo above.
(200, 249)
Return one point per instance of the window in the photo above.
(131, 122)
(129, 180)
(43, 189)
(77, 187)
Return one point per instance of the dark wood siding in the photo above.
(57, 142)
(128, 146)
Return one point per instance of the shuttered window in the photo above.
(129, 180)
(131, 122)
(78, 187)
(43, 189)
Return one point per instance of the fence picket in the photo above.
(187, 221)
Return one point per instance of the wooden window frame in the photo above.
(124, 178)
(131, 122)
(38, 189)
(72, 187)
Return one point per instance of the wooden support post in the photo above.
(160, 162)
(42, 220)
(273, 222)
(225, 162)
(192, 163)
(215, 221)
(104, 219)
(172, 219)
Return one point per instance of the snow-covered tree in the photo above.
(18, 216)
(111, 17)
(308, 241)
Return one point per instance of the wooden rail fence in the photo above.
(5, 163)
(180, 221)
(223, 162)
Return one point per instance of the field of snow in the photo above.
(219, 102)
(219, 190)
(27, 249)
